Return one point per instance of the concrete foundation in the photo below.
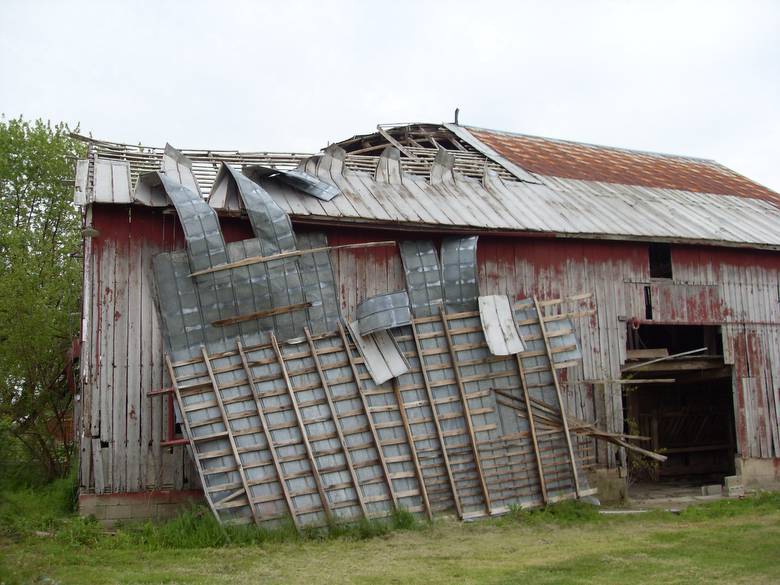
(759, 473)
(610, 485)
(110, 509)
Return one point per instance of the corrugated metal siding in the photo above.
(123, 348)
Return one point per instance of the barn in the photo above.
(666, 266)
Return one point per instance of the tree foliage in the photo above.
(40, 273)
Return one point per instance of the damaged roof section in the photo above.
(457, 178)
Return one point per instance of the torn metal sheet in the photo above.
(149, 191)
(459, 273)
(380, 353)
(297, 179)
(423, 278)
(179, 168)
(498, 324)
(382, 312)
(270, 223)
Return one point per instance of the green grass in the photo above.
(730, 541)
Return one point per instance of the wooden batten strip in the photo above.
(412, 449)
(291, 254)
(558, 395)
(367, 410)
(231, 439)
(336, 422)
(268, 438)
(466, 409)
(434, 414)
(185, 420)
(302, 427)
(532, 427)
(260, 314)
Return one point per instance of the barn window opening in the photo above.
(660, 260)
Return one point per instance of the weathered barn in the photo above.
(679, 255)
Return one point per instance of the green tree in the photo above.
(40, 273)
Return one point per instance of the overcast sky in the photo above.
(695, 78)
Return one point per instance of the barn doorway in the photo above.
(683, 403)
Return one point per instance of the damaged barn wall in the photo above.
(122, 427)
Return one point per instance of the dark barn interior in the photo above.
(684, 404)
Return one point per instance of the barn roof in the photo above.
(590, 162)
(456, 178)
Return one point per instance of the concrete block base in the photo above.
(610, 485)
(759, 473)
(111, 509)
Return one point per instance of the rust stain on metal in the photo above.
(570, 160)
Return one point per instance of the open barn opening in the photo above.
(678, 396)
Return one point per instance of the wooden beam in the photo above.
(267, 433)
(282, 255)
(434, 414)
(260, 314)
(466, 410)
(412, 448)
(185, 421)
(558, 396)
(336, 423)
(532, 426)
(394, 142)
(302, 427)
(361, 392)
(231, 440)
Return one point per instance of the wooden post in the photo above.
(531, 424)
(367, 410)
(304, 437)
(436, 423)
(231, 440)
(466, 410)
(554, 373)
(186, 424)
(412, 448)
(336, 423)
(267, 433)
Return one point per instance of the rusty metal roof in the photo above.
(588, 162)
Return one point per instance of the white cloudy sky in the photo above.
(697, 78)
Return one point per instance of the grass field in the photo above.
(732, 541)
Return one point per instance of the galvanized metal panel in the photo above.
(382, 312)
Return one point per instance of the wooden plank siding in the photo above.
(122, 357)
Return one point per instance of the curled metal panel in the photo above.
(300, 180)
(382, 312)
(423, 279)
(270, 223)
(179, 168)
(459, 273)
